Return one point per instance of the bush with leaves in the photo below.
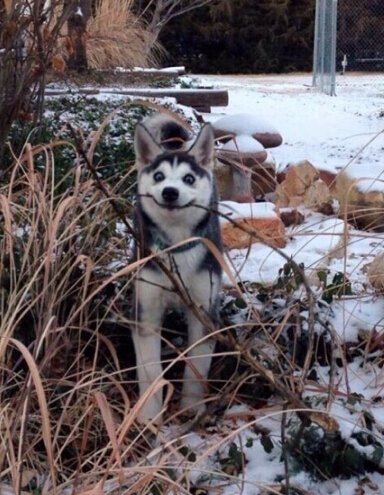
(76, 121)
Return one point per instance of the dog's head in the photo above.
(172, 182)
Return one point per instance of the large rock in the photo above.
(360, 192)
(302, 185)
(375, 272)
(244, 224)
(242, 184)
(243, 139)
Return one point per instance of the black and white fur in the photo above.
(176, 201)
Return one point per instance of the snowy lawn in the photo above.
(329, 131)
(332, 133)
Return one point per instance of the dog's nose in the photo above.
(170, 194)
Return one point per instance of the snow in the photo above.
(180, 69)
(244, 144)
(310, 243)
(369, 178)
(232, 210)
(353, 316)
(329, 131)
(244, 123)
(333, 133)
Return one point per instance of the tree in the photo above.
(28, 39)
(80, 12)
(262, 36)
(158, 13)
(360, 30)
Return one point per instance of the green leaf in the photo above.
(377, 455)
(249, 443)
(267, 443)
(240, 303)
(323, 275)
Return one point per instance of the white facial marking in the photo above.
(192, 202)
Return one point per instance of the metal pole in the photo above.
(323, 47)
(333, 51)
(316, 45)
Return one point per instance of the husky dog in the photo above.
(176, 201)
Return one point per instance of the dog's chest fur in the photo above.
(185, 271)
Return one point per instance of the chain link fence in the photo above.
(360, 36)
(349, 37)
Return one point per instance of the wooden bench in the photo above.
(200, 99)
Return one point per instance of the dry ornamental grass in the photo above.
(118, 39)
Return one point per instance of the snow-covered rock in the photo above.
(244, 224)
(303, 186)
(251, 125)
(360, 192)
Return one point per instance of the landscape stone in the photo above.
(361, 198)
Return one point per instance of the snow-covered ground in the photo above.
(329, 131)
(345, 131)
(332, 133)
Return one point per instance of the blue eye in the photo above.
(189, 179)
(158, 177)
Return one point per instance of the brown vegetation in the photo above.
(116, 38)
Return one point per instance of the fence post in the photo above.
(316, 44)
(333, 48)
(324, 49)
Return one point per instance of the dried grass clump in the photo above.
(60, 378)
(118, 39)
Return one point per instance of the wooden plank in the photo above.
(190, 97)
(167, 71)
(195, 98)
(65, 92)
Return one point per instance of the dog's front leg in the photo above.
(197, 365)
(147, 342)
(148, 362)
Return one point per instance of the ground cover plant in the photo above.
(279, 394)
(76, 120)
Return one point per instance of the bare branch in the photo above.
(159, 13)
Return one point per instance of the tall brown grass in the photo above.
(118, 39)
(67, 393)
(67, 413)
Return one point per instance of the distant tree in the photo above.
(249, 36)
(29, 32)
(158, 13)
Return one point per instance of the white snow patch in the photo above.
(232, 210)
(368, 178)
(245, 123)
(310, 243)
(328, 131)
(243, 143)
(353, 315)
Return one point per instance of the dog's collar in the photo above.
(161, 245)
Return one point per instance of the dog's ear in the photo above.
(203, 149)
(146, 148)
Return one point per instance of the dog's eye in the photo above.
(158, 177)
(189, 179)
